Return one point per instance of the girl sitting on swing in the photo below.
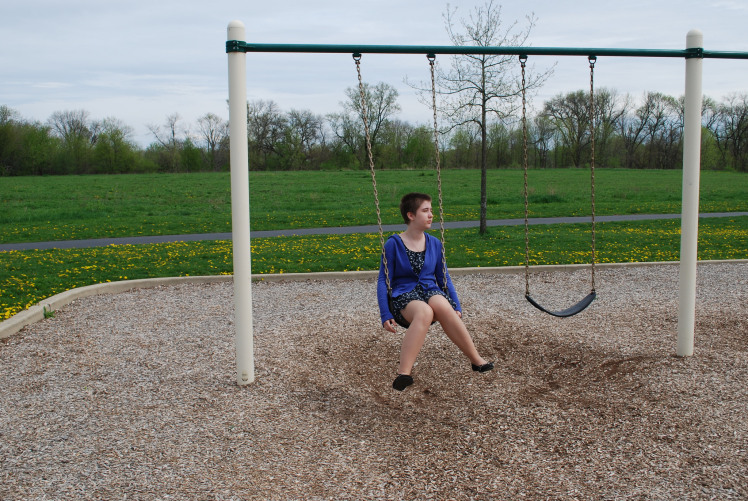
(416, 274)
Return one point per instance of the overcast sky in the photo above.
(140, 61)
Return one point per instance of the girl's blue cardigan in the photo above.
(402, 277)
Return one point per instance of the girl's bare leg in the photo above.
(420, 315)
(454, 328)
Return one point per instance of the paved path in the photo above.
(338, 230)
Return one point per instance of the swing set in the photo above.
(237, 48)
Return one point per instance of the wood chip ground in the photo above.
(133, 396)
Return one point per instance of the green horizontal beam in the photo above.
(240, 46)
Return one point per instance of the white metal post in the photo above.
(239, 158)
(690, 210)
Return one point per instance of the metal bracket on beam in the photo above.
(235, 46)
(695, 53)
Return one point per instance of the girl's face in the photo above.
(423, 216)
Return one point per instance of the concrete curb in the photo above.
(36, 313)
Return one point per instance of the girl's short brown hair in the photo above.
(411, 202)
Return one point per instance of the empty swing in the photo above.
(431, 59)
(587, 300)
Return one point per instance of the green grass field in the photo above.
(76, 207)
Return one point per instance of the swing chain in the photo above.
(523, 61)
(592, 60)
(364, 112)
(432, 60)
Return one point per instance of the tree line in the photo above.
(71, 142)
(644, 135)
(480, 126)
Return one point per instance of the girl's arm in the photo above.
(382, 293)
(439, 274)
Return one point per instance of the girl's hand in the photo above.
(390, 325)
(459, 313)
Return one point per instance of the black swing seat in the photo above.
(568, 312)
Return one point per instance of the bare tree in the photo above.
(570, 116)
(631, 130)
(730, 129)
(169, 136)
(303, 134)
(709, 111)
(349, 133)
(381, 106)
(543, 137)
(215, 132)
(307, 127)
(476, 86)
(71, 125)
(266, 126)
(609, 111)
(663, 130)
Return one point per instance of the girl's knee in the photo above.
(419, 312)
(426, 315)
(440, 307)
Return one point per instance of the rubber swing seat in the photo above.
(568, 312)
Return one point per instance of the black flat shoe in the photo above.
(402, 381)
(483, 368)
